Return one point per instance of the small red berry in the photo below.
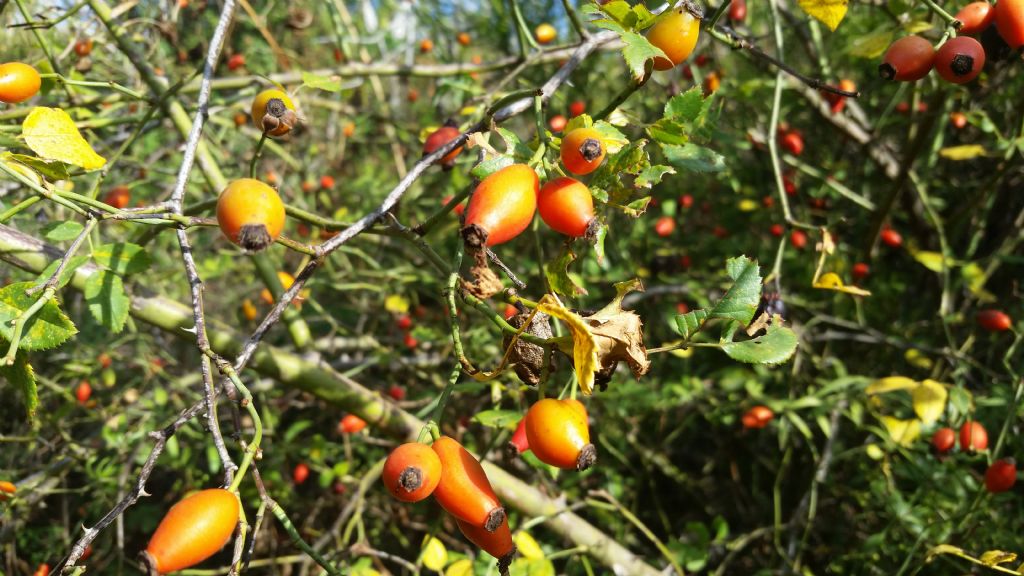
(958, 120)
(973, 436)
(510, 311)
(351, 424)
(757, 417)
(83, 392)
(404, 322)
(861, 271)
(1001, 475)
(738, 10)
(943, 440)
(327, 182)
(994, 320)
(300, 473)
(793, 142)
(576, 108)
(891, 238)
(798, 239)
(686, 201)
(396, 392)
(664, 226)
(410, 342)
(777, 230)
(557, 123)
(236, 61)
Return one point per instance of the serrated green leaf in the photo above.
(637, 208)
(689, 106)
(638, 51)
(122, 258)
(666, 131)
(107, 301)
(318, 82)
(497, 418)
(690, 323)
(599, 238)
(557, 274)
(23, 377)
(652, 175)
(62, 231)
(692, 157)
(491, 165)
(742, 299)
(48, 328)
(774, 347)
(66, 275)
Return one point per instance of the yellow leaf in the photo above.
(584, 347)
(997, 557)
(829, 12)
(890, 384)
(680, 352)
(396, 304)
(52, 134)
(874, 452)
(462, 567)
(748, 205)
(917, 359)
(917, 26)
(831, 281)
(932, 260)
(528, 547)
(929, 401)
(943, 549)
(965, 152)
(427, 131)
(434, 554)
(902, 432)
(974, 277)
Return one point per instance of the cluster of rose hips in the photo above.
(556, 431)
(959, 60)
(1000, 476)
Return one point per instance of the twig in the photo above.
(505, 269)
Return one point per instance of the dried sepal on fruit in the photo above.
(273, 112)
(527, 358)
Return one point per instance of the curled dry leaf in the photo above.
(528, 358)
(619, 336)
(485, 283)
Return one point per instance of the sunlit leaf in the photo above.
(932, 260)
(49, 326)
(434, 554)
(943, 549)
(396, 304)
(963, 152)
(52, 134)
(997, 557)
(890, 384)
(831, 281)
(902, 432)
(775, 347)
(584, 346)
(528, 547)
(929, 399)
(23, 378)
(462, 567)
(829, 12)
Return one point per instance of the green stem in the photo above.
(256, 155)
(257, 436)
(92, 84)
(525, 38)
(13, 210)
(950, 20)
(636, 85)
(574, 18)
(279, 513)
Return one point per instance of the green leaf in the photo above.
(491, 165)
(122, 258)
(66, 275)
(318, 82)
(637, 52)
(23, 377)
(62, 231)
(509, 138)
(774, 347)
(599, 250)
(52, 170)
(690, 323)
(693, 157)
(48, 328)
(870, 46)
(109, 305)
(652, 175)
(498, 418)
(689, 107)
(742, 299)
(531, 567)
(557, 274)
(637, 208)
(667, 131)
